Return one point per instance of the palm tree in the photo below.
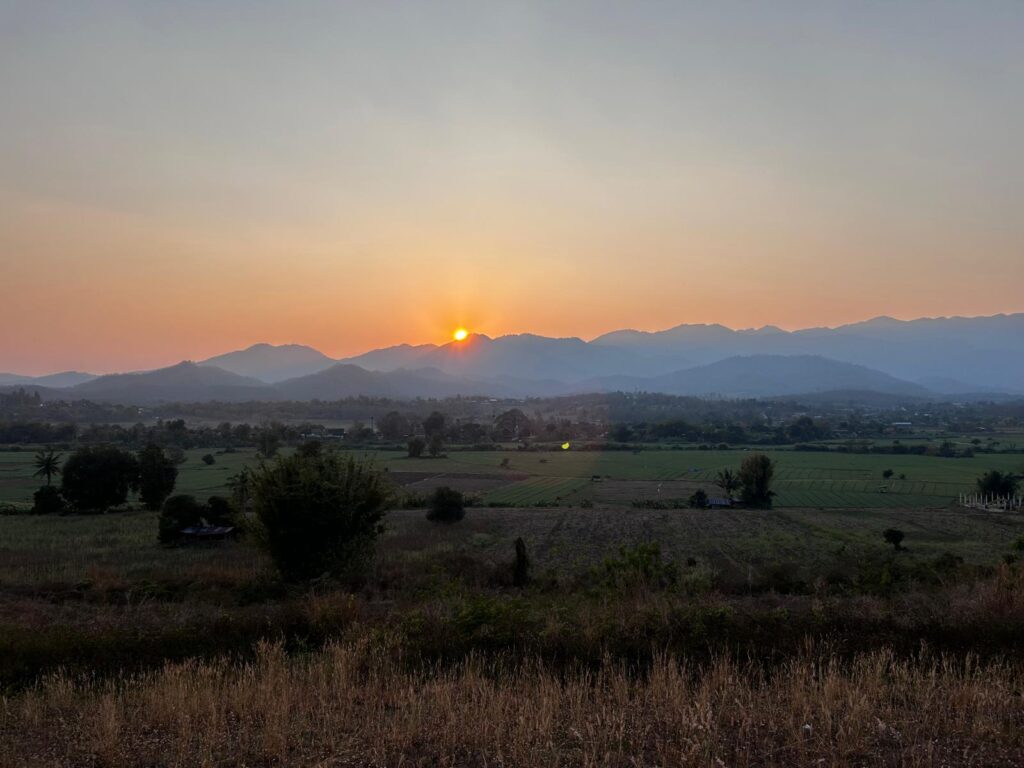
(47, 464)
(727, 480)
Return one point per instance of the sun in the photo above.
(460, 334)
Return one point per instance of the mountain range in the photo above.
(919, 358)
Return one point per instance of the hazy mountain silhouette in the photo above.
(979, 353)
(346, 380)
(270, 363)
(183, 382)
(951, 356)
(62, 379)
(764, 376)
(522, 356)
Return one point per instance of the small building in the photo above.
(720, 502)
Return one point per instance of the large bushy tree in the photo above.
(393, 426)
(433, 424)
(178, 512)
(318, 514)
(96, 478)
(157, 476)
(755, 480)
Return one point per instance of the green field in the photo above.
(803, 479)
(122, 547)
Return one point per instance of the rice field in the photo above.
(802, 479)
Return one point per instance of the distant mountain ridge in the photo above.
(62, 379)
(916, 358)
(183, 382)
(766, 376)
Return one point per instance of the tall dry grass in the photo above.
(353, 706)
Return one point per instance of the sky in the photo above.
(182, 179)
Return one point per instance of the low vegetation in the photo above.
(604, 607)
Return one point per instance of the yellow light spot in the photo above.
(461, 334)
(565, 446)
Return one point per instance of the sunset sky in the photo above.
(178, 179)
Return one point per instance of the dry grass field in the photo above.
(351, 705)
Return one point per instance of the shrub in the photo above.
(416, 446)
(997, 483)
(310, 448)
(318, 514)
(209, 460)
(157, 476)
(699, 499)
(96, 478)
(641, 565)
(178, 512)
(893, 536)
(446, 505)
(47, 501)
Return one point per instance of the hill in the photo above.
(765, 376)
(270, 363)
(183, 382)
(345, 380)
(55, 380)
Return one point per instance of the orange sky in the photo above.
(179, 182)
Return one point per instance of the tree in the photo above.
(446, 505)
(436, 445)
(176, 454)
(699, 499)
(893, 536)
(996, 483)
(47, 463)
(727, 480)
(621, 433)
(512, 425)
(178, 512)
(393, 426)
(887, 474)
(433, 424)
(416, 446)
(47, 501)
(521, 565)
(96, 478)
(755, 478)
(209, 460)
(218, 511)
(318, 514)
(157, 476)
(268, 443)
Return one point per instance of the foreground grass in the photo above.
(352, 705)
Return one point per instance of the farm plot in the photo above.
(536, 490)
(465, 482)
(737, 543)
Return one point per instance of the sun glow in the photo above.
(460, 334)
